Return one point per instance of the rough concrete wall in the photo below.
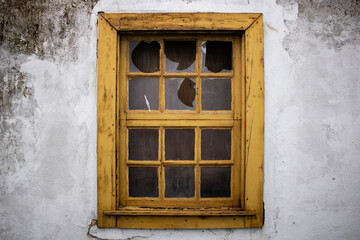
(48, 118)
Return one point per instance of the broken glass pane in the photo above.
(179, 182)
(144, 94)
(215, 182)
(143, 144)
(216, 94)
(144, 56)
(179, 144)
(143, 182)
(216, 56)
(180, 94)
(180, 56)
(215, 144)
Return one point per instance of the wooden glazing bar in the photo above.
(180, 123)
(180, 75)
(162, 159)
(179, 163)
(197, 160)
(132, 75)
(142, 163)
(181, 115)
(216, 163)
(162, 80)
(216, 75)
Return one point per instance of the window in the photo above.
(180, 120)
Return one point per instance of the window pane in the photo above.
(143, 182)
(180, 56)
(215, 144)
(179, 144)
(216, 94)
(144, 94)
(216, 56)
(180, 94)
(144, 56)
(143, 144)
(215, 182)
(179, 182)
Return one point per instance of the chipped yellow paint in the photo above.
(246, 119)
(106, 122)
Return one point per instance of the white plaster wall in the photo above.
(312, 132)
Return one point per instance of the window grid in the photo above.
(199, 122)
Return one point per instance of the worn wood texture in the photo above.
(106, 123)
(246, 118)
(254, 121)
(179, 212)
(180, 222)
(180, 21)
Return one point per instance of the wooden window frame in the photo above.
(109, 120)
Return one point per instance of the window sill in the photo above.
(138, 211)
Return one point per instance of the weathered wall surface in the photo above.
(48, 118)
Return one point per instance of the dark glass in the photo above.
(180, 56)
(216, 94)
(179, 144)
(180, 94)
(143, 144)
(215, 144)
(144, 56)
(215, 182)
(179, 182)
(216, 56)
(143, 182)
(144, 94)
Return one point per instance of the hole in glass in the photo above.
(180, 94)
(143, 182)
(215, 182)
(143, 144)
(144, 94)
(216, 56)
(179, 182)
(144, 56)
(179, 144)
(216, 94)
(180, 56)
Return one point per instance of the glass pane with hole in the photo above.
(215, 182)
(179, 144)
(144, 94)
(143, 182)
(180, 94)
(144, 56)
(143, 144)
(216, 94)
(180, 56)
(179, 182)
(215, 144)
(216, 56)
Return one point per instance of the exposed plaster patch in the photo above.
(44, 28)
(335, 23)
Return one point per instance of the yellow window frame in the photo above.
(113, 120)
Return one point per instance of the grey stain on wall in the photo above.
(44, 28)
(337, 23)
